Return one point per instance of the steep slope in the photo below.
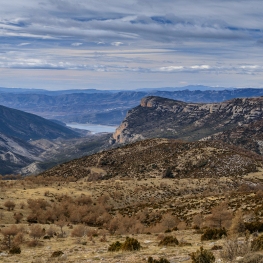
(248, 136)
(160, 117)
(27, 126)
(154, 157)
(16, 154)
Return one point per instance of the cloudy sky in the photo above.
(114, 44)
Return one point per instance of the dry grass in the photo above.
(181, 197)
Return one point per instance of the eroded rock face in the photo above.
(160, 117)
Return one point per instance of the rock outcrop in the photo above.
(160, 117)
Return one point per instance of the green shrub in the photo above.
(213, 234)
(15, 250)
(116, 246)
(202, 256)
(131, 244)
(257, 244)
(169, 241)
(161, 260)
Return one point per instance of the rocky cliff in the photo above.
(160, 117)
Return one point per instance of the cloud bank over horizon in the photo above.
(65, 44)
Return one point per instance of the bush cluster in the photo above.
(161, 260)
(257, 244)
(169, 241)
(130, 244)
(202, 256)
(213, 234)
(114, 247)
(15, 250)
(255, 226)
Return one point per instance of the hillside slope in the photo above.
(28, 126)
(16, 154)
(249, 136)
(160, 117)
(154, 157)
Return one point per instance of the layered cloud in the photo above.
(212, 37)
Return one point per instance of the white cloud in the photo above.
(23, 44)
(76, 44)
(212, 38)
(116, 44)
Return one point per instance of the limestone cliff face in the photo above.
(161, 117)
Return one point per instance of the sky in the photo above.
(114, 44)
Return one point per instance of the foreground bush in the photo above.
(161, 260)
(130, 244)
(255, 226)
(257, 244)
(202, 256)
(168, 241)
(114, 247)
(213, 234)
(15, 250)
(233, 248)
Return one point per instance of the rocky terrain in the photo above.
(21, 157)
(107, 107)
(248, 136)
(16, 154)
(160, 117)
(161, 158)
(30, 144)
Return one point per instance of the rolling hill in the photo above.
(161, 157)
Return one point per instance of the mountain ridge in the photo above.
(161, 117)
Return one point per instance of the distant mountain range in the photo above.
(107, 107)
